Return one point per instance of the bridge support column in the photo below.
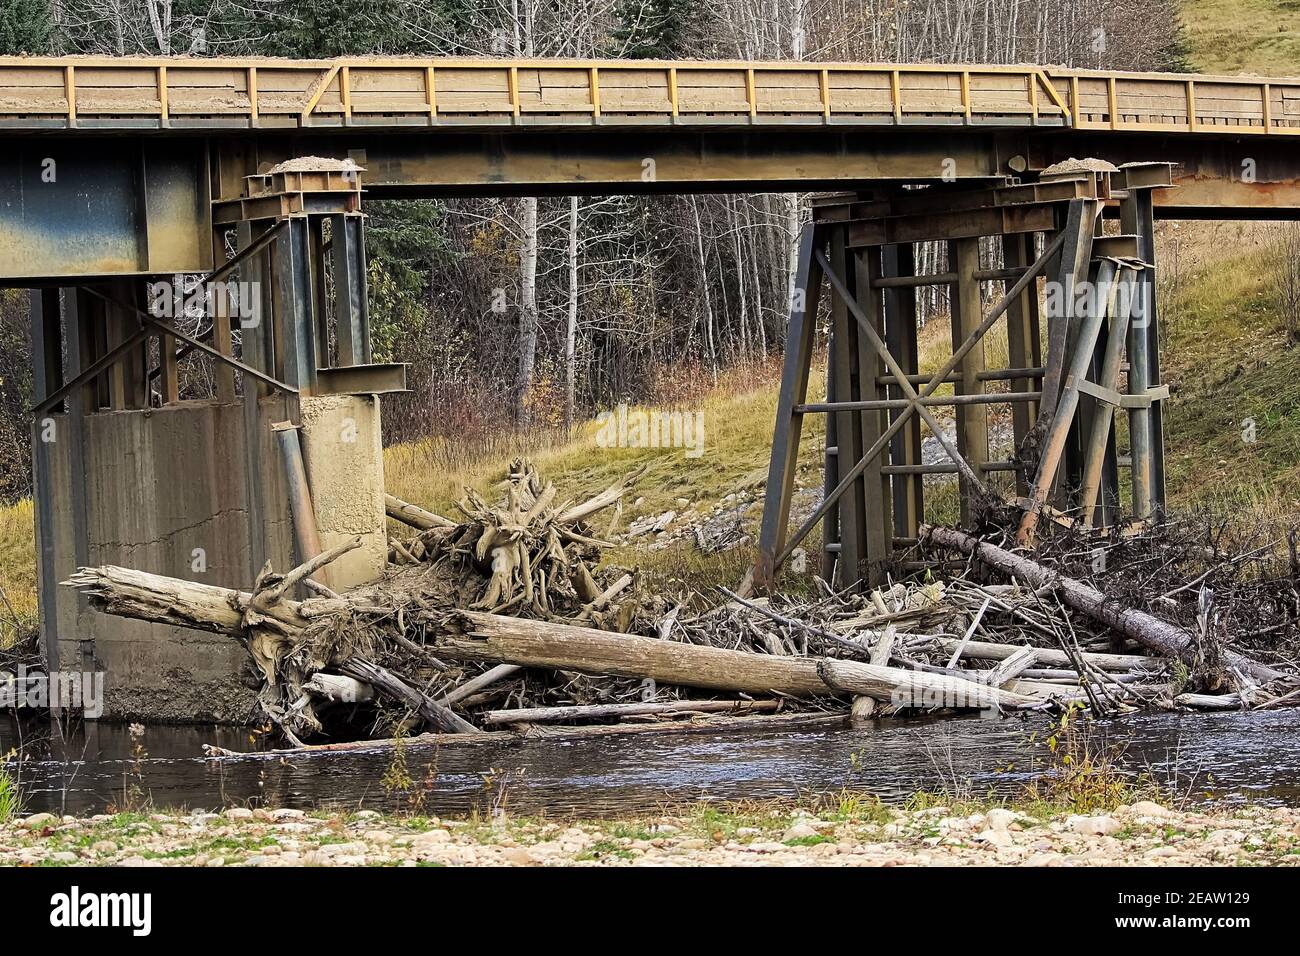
(143, 459)
(1004, 430)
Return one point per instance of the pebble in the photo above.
(1094, 826)
(1000, 818)
(800, 831)
(1212, 837)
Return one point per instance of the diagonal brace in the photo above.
(909, 392)
(846, 482)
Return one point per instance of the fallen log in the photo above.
(552, 715)
(414, 515)
(1149, 631)
(389, 683)
(918, 688)
(761, 722)
(482, 636)
(987, 651)
(476, 684)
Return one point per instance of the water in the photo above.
(1216, 757)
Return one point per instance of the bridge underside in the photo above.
(140, 205)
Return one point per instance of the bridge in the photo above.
(118, 172)
(143, 148)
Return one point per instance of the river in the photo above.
(1207, 757)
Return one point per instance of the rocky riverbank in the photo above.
(853, 832)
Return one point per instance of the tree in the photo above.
(25, 27)
(656, 29)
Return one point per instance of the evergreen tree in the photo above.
(656, 29)
(25, 27)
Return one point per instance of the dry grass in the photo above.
(17, 571)
(1230, 358)
(1243, 36)
(737, 442)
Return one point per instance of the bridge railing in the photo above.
(112, 93)
(1187, 103)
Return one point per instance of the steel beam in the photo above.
(800, 334)
(47, 378)
(899, 262)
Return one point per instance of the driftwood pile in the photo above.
(507, 619)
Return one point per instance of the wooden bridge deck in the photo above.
(178, 94)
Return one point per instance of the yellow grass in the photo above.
(736, 447)
(17, 571)
(1243, 36)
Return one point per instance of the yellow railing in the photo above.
(99, 92)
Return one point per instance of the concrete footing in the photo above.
(168, 490)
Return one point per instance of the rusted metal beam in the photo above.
(828, 501)
(801, 332)
(381, 379)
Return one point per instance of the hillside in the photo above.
(1243, 36)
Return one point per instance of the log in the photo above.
(760, 722)
(918, 688)
(473, 635)
(1012, 667)
(482, 636)
(338, 688)
(1149, 631)
(865, 707)
(476, 684)
(544, 715)
(989, 651)
(389, 683)
(1210, 701)
(414, 515)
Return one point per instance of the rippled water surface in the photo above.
(1229, 757)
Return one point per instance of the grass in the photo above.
(737, 442)
(1243, 36)
(10, 801)
(1232, 425)
(17, 572)
(738, 419)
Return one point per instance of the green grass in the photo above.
(1231, 362)
(10, 801)
(1243, 36)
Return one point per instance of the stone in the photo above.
(994, 837)
(335, 850)
(430, 838)
(999, 818)
(518, 856)
(799, 831)
(285, 814)
(239, 814)
(1094, 826)
(38, 821)
(1146, 808)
